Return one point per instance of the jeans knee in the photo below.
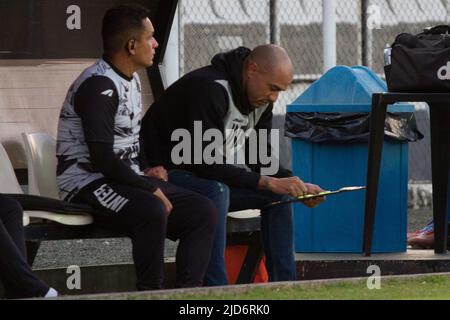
(223, 189)
(151, 211)
(219, 194)
(219, 191)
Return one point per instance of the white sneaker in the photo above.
(52, 293)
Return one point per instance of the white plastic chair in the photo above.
(26, 219)
(245, 214)
(9, 184)
(40, 150)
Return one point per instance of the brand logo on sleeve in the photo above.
(108, 93)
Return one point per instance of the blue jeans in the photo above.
(219, 194)
(276, 225)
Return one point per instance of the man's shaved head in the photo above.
(268, 70)
(270, 57)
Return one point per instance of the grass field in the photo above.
(420, 288)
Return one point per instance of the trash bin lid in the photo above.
(344, 89)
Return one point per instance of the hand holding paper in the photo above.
(308, 197)
(326, 193)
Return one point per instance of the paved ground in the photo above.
(419, 218)
(409, 255)
(54, 254)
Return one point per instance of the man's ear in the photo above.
(252, 68)
(130, 46)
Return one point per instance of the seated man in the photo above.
(234, 95)
(15, 273)
(98, 149)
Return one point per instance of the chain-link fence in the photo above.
(363, 28)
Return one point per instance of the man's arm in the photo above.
(293, 187)
(284, 182)
(97, 112)
(265, 123)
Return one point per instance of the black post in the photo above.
(273, 22)
(166, 13)
(440, 158)
(376, 138)
(364, 32)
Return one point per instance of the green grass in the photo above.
(431, 287)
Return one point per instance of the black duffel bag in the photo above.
(420, 63)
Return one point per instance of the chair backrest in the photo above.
(9, 184)
(40, 150)
(8, 179)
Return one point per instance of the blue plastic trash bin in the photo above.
(337, 224)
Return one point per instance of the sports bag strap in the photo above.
(441, 29)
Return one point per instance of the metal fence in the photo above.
(363, 28)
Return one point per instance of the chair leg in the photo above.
(32, 250)
(376, 138)
(252, 259)
(440, 158)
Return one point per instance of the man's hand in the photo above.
(313, 189)
(158, 172)
(164, 199)
(292, 186)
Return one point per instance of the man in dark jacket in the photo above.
(229, 104)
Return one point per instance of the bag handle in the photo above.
(441, 29)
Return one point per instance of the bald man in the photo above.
(231, 99)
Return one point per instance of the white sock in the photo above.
(52, 293)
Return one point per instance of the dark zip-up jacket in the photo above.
(215, 96)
